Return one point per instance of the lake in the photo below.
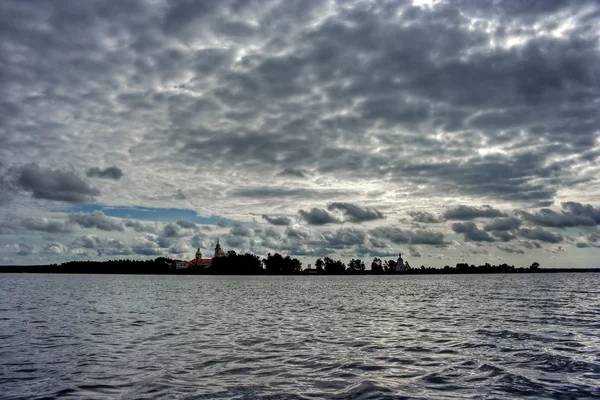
(300, 337)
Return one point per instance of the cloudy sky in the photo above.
(449, 131)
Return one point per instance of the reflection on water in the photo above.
(304, 337)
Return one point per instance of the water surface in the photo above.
(303, 337)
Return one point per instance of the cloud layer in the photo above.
(463, 129)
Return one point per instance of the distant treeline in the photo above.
(274, 264)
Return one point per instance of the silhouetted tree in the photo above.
(290, 266)
(462, 267)
(334, 267)
(319, 265)
(163, 260)
(277, 264)
(273, 263)
(356, 266)
(297, 265)
(390, 266)
(376, 267)
(534, 266)
(236, 264)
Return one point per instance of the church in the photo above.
(200, 262)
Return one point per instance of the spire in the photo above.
(218, 251)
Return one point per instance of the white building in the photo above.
(400, 266)
(180, 264)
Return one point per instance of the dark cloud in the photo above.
(424, 217)
(239, 230)
(292, 172)
(549, 218)
(505, 236)
(140, 226)
(354, 213)
(318, 216)
(96, 219)
(269, 192)
(472, 232)
(594, 237)
(449, 99)
(511, 250)
(278, 192)
(364, 251)
(541, 235)
(45, 183)
(236, 242)
(583, 210)
(108, 173)
(379, 242)
(46, 225)
(271, 233)
(477, 251)
(503, 224)
(499, 177)
(87, 241)
(297, 233)
(469, 212)
(102, 246)
(531, 245)
(186, 224)
(277, 219)
(172, 230)
(414, 252)
(400, 236)
(222, 223)
(344, 237)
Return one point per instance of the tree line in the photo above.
(273, 264)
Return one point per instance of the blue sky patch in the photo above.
(150, 213)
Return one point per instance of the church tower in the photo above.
(198, 257)
(400, 264)
(218, 250)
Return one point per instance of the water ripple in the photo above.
(374, 337)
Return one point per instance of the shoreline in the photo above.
(52, 269)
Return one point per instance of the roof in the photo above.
(200, 261)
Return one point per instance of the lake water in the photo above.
(301, 337)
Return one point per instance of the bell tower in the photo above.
(198, 256)
(218, 250)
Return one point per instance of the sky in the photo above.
(448, 131)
